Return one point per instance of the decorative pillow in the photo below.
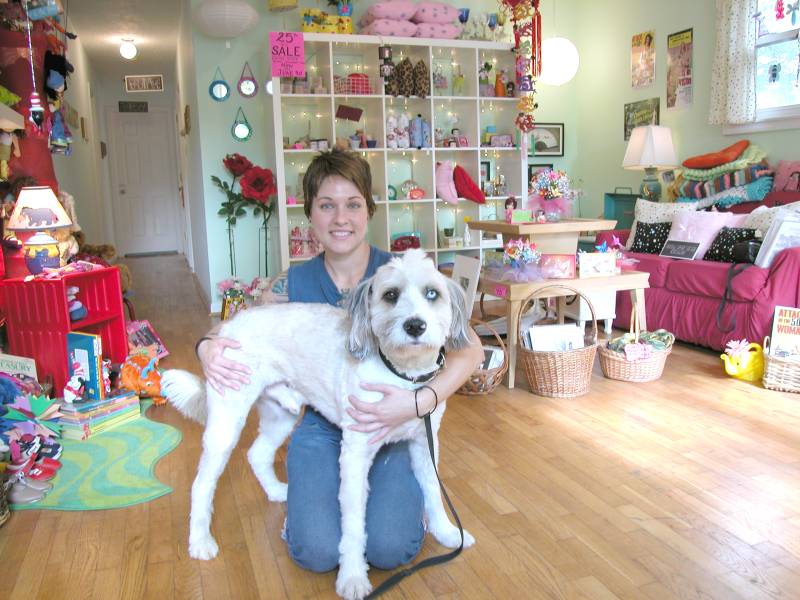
(397, 10)
(715, 159)
(701, 227)
(435, 12)
(445, 186)
(441, 31)
(650, 237)
(762, 217)
(466, 186)
(389, 27)
(655, 212)
(784, 181)
(721, 249)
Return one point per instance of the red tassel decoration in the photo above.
(537, 40)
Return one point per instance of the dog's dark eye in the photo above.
(391, 296)
(431, 294)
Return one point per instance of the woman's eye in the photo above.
(391, 296)
(326, 206)
(355, 206)
(431, 294)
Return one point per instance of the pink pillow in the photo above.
(784, 182)
(445, 186)
(389, 27)
(700, 226)
(438, 31)
(435, 12)
(397, 10)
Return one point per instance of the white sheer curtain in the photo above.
(733, 76)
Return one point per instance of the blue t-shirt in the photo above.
(310, 281)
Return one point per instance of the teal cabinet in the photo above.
(619, 207)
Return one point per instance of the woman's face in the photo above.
(339, 216)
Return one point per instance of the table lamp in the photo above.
(38, 210)
(650, 149)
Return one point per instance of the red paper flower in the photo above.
(257, 184)
(237, 164)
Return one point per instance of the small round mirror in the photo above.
(219, 90)
(248, 87)
(241, 131)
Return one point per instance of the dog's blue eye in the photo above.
(431, 294)
(391, 295)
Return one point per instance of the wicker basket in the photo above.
(780, 374)
(616, 366)
(559, 374)
(484, 381)
(5, 513)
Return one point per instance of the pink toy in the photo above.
(445, 186)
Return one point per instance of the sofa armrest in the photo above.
(607, 236)
(784, 278)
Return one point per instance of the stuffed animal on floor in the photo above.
(140, 374)
(102, 254)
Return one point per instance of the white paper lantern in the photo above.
(225, 18)
(559, 61)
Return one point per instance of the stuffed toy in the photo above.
(102, 255)
(140, 374)
(420, 133)
(422, 80)
(466, 186)
(9, 145)
(391, 131)
(403, 131)
(445, 187)
(56, 69)
(401, 82)
(77, 310)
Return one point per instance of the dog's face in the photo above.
(406, 309)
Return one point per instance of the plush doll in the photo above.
(56, 69)
(420, 133)
(391, 131)
(403, 131)
(77, 310)
(403, 76)
(140, 374)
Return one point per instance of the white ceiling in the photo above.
(101, 25)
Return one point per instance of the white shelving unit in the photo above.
(313, 114)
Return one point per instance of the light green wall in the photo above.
(602, 87)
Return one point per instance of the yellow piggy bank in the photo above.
(747, 366)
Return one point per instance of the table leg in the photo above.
(512, 321)
(561, 307)
(637, 296)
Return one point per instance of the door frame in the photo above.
(111, 129)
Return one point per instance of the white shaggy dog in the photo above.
(317, 354)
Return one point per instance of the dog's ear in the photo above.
(361, 342)
(458, 336)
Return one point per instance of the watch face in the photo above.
(247, 87)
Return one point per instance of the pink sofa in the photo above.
(684, 296)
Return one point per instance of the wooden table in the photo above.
(515, 293)
(550, 238)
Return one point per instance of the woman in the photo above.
(338, 202)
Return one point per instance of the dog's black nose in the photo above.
(415, 327)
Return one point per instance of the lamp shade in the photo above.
(650, 146)
(225, 18)
(38, 209)
(560, 61)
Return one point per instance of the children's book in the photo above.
(143, 338)
(85, 356)
(17, 365)
(785, 338)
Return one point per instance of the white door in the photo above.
(144, 188)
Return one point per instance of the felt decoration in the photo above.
(36, 415)
(445, 185)
(466, 186)
(715, 159)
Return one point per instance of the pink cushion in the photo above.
(784, 182)
(438, 31)
(435, 12)
(703, 278)
(445, 186)
(397, 10)
(700, 226)
(654, 264)
(389, 27)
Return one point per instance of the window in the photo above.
(777, 60)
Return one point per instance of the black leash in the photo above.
(433, 560)
(727, 297)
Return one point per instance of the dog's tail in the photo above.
(186, 392)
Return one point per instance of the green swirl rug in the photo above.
(112, 470)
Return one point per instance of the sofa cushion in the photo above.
(787, 176)
(654, 264)
(704, 278)
(761, 218)
(701, 227)
(655, 212)
(721, 249)
(650, 237)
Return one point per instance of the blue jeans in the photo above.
(313, 525)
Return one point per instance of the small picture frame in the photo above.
(463, 142)
(466, 272)
(501, 140)
(486, 170)
(547, 139)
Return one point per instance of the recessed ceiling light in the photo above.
(127, 49)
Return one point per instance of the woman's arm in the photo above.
(397, 405)
(222, 372)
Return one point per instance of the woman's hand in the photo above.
(395, 408)
(222, 372)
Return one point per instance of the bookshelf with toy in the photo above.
(342, 100)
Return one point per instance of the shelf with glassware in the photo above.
(342, 101)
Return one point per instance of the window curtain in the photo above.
(733, 76)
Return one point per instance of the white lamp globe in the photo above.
(127, 49)
(225, 19)
(559, 61)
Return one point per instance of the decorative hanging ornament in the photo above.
(247, 86)
(219, 89)
(779, 10)
(241, 130)
(225, 19)
(525, 122)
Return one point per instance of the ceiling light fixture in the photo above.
(127, 49)
(560, 58)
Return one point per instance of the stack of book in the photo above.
(81, 421)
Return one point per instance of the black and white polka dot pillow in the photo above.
(650, 237)
(721, 249)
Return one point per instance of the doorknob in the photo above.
(122, 192)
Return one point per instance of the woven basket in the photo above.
(5, 513)
(616, 366)
(559, 374)
(780, 374)
(484, 381)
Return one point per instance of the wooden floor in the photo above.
(688, 487)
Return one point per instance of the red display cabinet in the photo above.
(37, 319)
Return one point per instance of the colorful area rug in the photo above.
(113, 470)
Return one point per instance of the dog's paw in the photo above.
(203, 548)
(353, 587)
(449, 537)
(277, 492)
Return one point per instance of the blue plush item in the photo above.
(77, 310)
(55, 81)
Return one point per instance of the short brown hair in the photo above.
(347, 165)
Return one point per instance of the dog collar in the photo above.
(419, 378)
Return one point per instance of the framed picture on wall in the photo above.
(486, 170)
(533, 170)
(547, 139)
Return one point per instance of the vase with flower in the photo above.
(550, 193)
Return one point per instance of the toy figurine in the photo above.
(420, 133)
(391, 131)
(403, 131)
(458, 83)
(500, 84)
